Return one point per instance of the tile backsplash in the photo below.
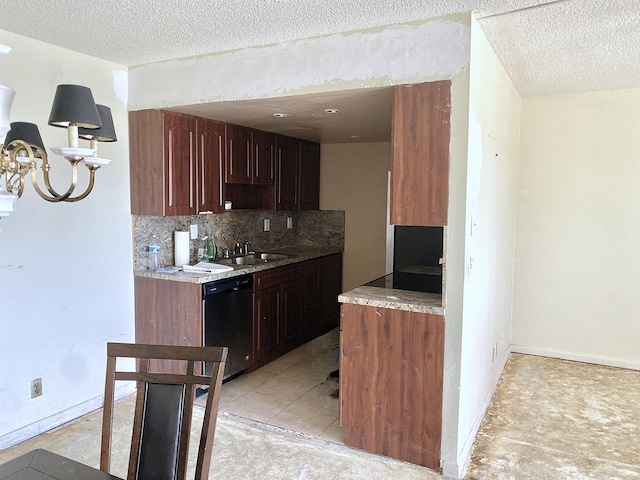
(310, 228)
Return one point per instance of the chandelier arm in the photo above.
(92, 175)
(55, 197)
(46, 167)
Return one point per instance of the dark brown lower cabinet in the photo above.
(294, 304)
(330, 286)
(391, 371)
(293, 323)
(168, 313)
(267, 305)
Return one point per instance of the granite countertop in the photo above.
(296, 254)
(395, 299)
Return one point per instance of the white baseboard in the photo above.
(576, 357)
(60, 418)
(458, 469)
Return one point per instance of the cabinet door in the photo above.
(180, 163)
(330, 274)
(146, 168)
(211, 142)
(420, 154)
(267, 332)
(238, 160)
(391, 373)
(286, 173)
(310, 300)
(309, 182)
(263, 166)
(292, 319)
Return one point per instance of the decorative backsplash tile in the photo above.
(310, 228)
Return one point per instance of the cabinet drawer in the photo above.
(267, 279)
(292, 272)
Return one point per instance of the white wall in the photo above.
(353, 178)
(578, 231)
(489, 232)
(65, 269)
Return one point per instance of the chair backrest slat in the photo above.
(163, 378)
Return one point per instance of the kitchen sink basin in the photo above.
(247, 260)
(256, 258)
(268, 256)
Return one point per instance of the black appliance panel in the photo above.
(228, 321)
(416, 246)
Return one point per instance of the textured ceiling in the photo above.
(546, 46)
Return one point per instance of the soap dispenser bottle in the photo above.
(211, 249)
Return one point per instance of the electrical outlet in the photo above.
(267, 224)
(36, 387)
(194, 232)
(289, 222)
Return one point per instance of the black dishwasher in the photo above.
(228, 321)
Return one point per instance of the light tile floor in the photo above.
(292, 392)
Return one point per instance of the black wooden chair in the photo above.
(164, 406)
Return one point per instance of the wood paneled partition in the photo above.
(391, 371)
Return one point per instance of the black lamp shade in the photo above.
(74, 104)
(27, 132)
(106, 133)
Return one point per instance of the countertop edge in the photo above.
(297, 254)
(394, 299)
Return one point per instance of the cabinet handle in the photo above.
(200, 194)
(248, 160)
(272, 163)
(221, 167)
(256, 157)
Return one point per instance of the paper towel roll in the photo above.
(181, 248)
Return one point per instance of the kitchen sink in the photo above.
(257, 258)
(246, 260)
(269, 256)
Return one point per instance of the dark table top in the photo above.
(43, 465)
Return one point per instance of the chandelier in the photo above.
(23, 150)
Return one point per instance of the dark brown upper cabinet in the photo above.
(184, 165)
(309, 181)
(238, 160)
(211, 155)
(175, 163)
(250, 156)
(420, 154)
(287, 167)
(264, 150)
(297, 174)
